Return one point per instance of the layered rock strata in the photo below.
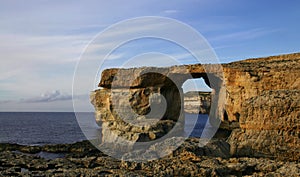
(263, 98)
(138, 113)
(197, 102)
(257, 100)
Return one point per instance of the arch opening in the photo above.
(197, 102)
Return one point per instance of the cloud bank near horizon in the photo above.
(48, 101)
(48, 97)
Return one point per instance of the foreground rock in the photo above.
(82, 159)
(256, 100)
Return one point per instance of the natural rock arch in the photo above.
(255, 98)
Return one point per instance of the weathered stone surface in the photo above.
(257, 99)
(138, 114)
(263, 97)
(82, 159)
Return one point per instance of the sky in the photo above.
(42, 42)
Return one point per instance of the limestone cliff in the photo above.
(197, 102)
(263, 96)
(257, 100)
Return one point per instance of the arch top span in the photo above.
(179, 74)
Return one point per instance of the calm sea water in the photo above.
(39, 128)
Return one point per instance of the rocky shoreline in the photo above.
(83, 159)
(256, 102)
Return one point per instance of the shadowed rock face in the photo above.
(258, 100)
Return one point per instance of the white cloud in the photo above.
(28, 48)
(48, 97)
(170, 11)
(49, 101)
(243, 35)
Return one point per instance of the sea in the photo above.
(40, 128)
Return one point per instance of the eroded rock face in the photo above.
(263, 97)
(141, 113)
(257, 99)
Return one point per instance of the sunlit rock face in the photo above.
(196, 102)
(257, 100)
(263, 96)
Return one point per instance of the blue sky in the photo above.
(41, 41)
